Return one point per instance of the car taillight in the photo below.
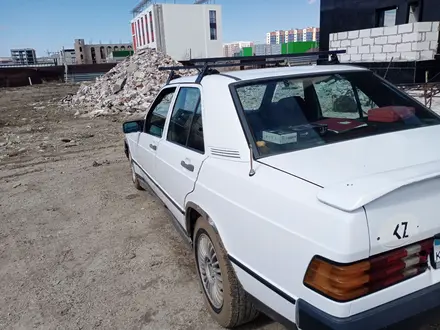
(348, 282)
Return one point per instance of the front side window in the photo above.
(185, 126)
(155, 121)
(290, 114)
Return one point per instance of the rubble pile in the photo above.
(128, 88)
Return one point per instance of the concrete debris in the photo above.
(128, 88)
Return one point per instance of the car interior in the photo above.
(387, 111)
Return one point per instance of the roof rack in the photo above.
(205, 65)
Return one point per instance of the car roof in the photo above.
(252, 74)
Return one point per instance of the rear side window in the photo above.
(300, 113)
(186, 128)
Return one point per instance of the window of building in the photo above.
(92, 50)
(102, 52)
(386, 17)
(414, 12)
(109, 50)
(151, 26)
(80, 49)
(82, 56)
(213, 24)
(185, 126)
(155, 121)
(148, 30)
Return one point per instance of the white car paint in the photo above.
(298, 204)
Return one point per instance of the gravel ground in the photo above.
(80, 248)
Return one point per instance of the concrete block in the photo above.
(353, 34)
(364, 49)
(356, 42)
(389, 48)
(410, 56)
(393, 56)
(390, 30)
(376, 32)
(342, 35)
(367, 41)
(367, 57)
(433, 45)
(335, 44)
(397, 39)
(376, 49)
(432, 36)
(423, 27)
(345, 43)
(356, 58)
(380, 57)
(365, 33)
(404, 47)
(406, 28)
(422, 45)
(421, 36)
(352, 50)
(330, 37)
(344, 58)
(380, 40)
(410, 37)
(435, 26)
(427, 55)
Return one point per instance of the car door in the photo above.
(181, 154)
(153, 131)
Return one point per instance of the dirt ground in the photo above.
(80, 247)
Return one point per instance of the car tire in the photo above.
(134, 178)
(235, 308)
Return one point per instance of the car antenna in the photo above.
(252, 171)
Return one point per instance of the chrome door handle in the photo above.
(189, 167)
(152, 146)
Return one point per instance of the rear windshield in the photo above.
(286, 114)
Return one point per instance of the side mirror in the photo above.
(133, 126)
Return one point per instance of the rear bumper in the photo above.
(415, 309)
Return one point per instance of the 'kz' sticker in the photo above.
(398, 230)
(401, 230)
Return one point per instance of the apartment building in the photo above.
(66, 56)
(182, 31)
(25, 56)
(275, 37)
(232, 48)
(293, 35)
(96, 53)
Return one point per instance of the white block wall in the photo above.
(406, 42)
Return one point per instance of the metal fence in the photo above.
(80, 77)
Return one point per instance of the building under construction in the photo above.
(162, 26)
(396, 38)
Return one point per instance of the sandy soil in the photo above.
(80, 248)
